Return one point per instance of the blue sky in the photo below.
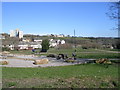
(87, 18)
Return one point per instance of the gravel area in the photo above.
(27, 63)
(20, 61)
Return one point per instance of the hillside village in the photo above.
(17, 41)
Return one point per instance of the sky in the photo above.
(88, 19)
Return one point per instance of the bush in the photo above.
(5, 49)
(83, 47)
(90, 45)
(65, 46)
(118, 45)
(51, 55)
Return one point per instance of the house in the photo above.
(2, 37)
(60, 35)
(23, 46)
(11, 47)
(37, 40)
(54, 43)
(26, 40)
(35, 44)
(29, 45)
(62, 41)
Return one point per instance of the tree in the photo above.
(114, 9)
(114, 14)
(45, 45)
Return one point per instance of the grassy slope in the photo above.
(89, 75)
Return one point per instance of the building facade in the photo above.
(16, 33)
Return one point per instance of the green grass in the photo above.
(62, 71)
(98, 55)
(81, 53)
(25, 52)
(85, 53)
(88, 75)
(115, 50)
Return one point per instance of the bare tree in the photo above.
(114, 13)
(114, 9)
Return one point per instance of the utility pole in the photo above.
(74, 52)
(74, 41)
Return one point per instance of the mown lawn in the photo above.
(77, 76)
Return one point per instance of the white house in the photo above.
(54, 43)
(62, 41)
(36, 46)
(28, 45)
(2, 37)
(11, 47)
(58, 42)
(24, 46)
(60, 35)
(37, 40)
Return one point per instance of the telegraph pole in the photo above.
(74, 41)
(74, 52)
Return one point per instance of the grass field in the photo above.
(25, 52)
(77, 76)
(86, 53)
(81, 53)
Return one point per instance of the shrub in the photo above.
(5, 49)
(45, 45)
(10, 84)
(65, 46)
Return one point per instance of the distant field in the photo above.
(77, 76)
(86, 53)
(81, 53)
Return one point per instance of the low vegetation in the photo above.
(85, 53)
(81, 53)
(77, 76)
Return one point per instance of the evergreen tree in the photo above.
(45, 45)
